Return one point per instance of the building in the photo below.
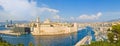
(52, 28)
(21, 30)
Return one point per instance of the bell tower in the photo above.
(38, 24)
(38, 21)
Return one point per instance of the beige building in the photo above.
(52, 28)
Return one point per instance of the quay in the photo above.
(9, 32)
(84, 40)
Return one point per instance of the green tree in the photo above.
(20, 44)
(31, 44)
(110, 37)
(116, 29)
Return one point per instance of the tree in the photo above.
(20, 44)
(110, 37)
(31, 44)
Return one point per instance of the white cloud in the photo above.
(72, 18)
(90, 17)
(23, 10)
(80, 18)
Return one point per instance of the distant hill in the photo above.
(114, 20)
(3, 23)
(21, 21)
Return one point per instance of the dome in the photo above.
(47, 21)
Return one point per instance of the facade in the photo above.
(52, 28)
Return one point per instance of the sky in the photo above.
(60, 10)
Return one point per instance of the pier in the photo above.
(85, 40)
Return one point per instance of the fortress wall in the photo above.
(53, 29)
(56, 29)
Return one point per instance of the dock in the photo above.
(83, 41)
(9, 32)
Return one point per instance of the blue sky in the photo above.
(63, 10)
(77, 7)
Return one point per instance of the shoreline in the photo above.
(8, 32)
(82, 41)
(53, 34)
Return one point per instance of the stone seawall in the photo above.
(53, 30)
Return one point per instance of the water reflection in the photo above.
(57, 40)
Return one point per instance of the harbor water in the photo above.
(54, 40)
